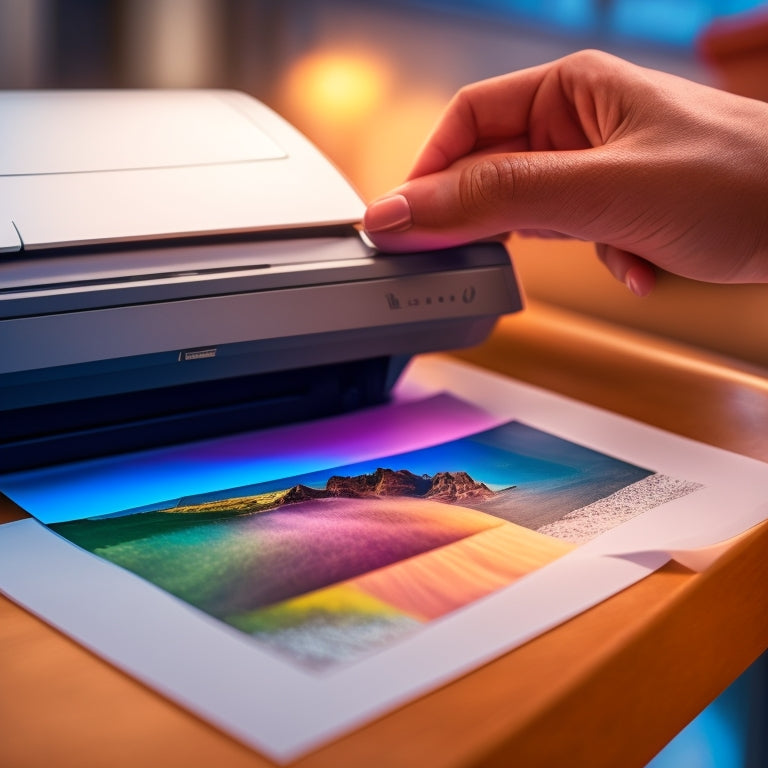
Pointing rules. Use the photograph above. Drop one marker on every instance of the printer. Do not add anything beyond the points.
(181, 264)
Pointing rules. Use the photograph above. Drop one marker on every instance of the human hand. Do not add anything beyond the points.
(656, 170)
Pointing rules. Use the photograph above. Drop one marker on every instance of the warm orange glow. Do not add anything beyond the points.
(340, 87)
(394, 138)
(352, 105)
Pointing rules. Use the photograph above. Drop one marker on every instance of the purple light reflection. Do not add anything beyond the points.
(103, 486)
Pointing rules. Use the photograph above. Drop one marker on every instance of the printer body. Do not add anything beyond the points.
(181, 264)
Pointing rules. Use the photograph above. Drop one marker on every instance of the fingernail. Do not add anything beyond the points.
(636, 286)
(389, 214)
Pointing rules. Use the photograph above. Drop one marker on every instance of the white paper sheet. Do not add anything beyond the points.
(266, 699)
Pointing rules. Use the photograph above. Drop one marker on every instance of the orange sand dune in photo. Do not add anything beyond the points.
(440, 581)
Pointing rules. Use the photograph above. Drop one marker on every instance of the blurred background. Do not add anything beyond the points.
(366, 80)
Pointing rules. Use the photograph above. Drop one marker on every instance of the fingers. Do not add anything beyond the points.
(495, 163)
(666, 171)
(485, 113)
(389, 218)
(636, 273)
(571, 103)
(477, 198)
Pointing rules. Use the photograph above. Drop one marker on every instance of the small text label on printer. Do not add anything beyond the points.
(197, 354)
(393, 301)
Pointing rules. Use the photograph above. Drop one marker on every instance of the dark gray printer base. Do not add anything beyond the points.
(80, 429)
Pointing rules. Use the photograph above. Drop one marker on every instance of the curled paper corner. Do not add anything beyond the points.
(699, 555)
(695, 558)
(700, 558)
(693, 540)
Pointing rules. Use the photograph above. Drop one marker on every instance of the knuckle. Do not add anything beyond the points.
(588, 57)
(589, 61)
(589, 67)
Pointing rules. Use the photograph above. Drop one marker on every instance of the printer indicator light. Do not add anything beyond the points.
(197, 354)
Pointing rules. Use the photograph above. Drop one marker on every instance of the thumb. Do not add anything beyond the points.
(485, 196)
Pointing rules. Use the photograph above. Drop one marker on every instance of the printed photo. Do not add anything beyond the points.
(327, 567)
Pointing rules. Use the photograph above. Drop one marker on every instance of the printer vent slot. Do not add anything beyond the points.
(216, 239)
(80, 429)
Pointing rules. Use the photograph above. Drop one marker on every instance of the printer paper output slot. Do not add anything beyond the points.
(116, 280)
(133, 421)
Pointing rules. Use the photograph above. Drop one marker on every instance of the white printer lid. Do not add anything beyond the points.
(84, 167)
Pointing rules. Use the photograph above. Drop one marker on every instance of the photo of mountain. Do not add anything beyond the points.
(326, 567)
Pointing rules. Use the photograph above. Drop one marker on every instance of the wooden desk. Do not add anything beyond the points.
(607, 688)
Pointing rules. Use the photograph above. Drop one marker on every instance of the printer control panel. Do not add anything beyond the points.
(468, 294)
